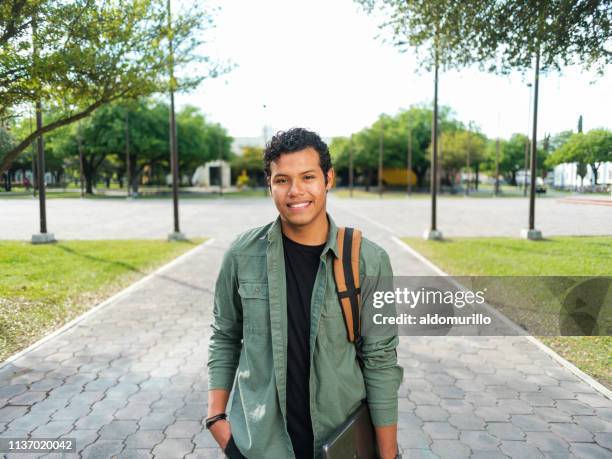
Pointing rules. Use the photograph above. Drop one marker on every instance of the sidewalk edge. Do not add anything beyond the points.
(603, 390)
(104, 303)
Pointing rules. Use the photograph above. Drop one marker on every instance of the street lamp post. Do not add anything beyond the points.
(433, 233)
(34, 173)
(380, 159)
(497, 167)
(176, 235)
(81, 160)
(128, 162)
(532, 233)
(409, 171)
(527, 143)
(43, 237)
(526, 167)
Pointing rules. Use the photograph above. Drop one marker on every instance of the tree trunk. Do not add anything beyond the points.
(88, 174)
(88, 181)
(420, 175)
(477, 167)
(7, 181)
(594, 170)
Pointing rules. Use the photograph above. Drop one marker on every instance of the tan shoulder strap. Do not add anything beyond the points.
(346, 274)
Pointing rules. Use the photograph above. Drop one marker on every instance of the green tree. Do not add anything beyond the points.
(572, 151)
(598, 148)
(586, 150)
(76, 56)
(547, 34)
(512, 156)
(103, 142)
(462, 149)
(415, 122)
(557, 140)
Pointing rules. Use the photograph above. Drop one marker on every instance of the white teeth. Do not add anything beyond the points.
(303, 204)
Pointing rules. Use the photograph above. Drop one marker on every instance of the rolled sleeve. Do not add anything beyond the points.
(225, 342)
(381, 372)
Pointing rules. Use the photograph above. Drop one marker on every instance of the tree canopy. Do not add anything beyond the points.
(562, 32)
(102, 139)
(396, 129)
(77, 56)
(446, 31)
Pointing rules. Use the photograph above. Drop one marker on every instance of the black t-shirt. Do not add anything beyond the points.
(301, 266)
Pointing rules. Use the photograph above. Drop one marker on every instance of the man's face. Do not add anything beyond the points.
(298, 186)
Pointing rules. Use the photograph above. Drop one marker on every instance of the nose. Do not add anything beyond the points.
(296, 188)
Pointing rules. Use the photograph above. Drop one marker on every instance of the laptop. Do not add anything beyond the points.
(355, 438)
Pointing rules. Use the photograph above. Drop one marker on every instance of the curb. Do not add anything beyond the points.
(603, 390)
(97, 308)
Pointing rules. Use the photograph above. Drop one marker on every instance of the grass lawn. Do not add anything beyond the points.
(484, 191)
(557, 256)
(145, 194)
(373, 194)
(44, 286)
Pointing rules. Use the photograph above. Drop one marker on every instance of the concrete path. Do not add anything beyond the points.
(152, 218)
(129, 380)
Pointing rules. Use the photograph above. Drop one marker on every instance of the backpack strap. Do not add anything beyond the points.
(346, 274)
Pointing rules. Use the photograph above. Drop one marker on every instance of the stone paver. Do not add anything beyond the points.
(440, 430)
(130, 380)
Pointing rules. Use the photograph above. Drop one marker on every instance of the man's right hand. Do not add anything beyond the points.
(221, 432)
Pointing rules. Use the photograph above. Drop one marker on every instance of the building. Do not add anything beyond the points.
(213, 173)
(566, 178)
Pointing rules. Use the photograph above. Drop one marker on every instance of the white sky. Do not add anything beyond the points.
(317, 64)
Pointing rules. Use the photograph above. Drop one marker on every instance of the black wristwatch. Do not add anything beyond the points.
(211, 420)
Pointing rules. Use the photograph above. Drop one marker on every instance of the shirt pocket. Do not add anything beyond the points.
(333, 329)
(255, 307)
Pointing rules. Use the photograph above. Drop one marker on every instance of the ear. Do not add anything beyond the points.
(330, 178)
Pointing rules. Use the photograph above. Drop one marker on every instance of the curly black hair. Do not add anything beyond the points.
(296, 139)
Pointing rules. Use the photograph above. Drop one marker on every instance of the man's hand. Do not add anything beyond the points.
(217, 402)
(221, 432)
(386, 437)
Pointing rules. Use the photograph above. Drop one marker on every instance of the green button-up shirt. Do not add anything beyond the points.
(248, 347)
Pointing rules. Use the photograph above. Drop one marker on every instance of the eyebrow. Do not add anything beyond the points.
(301, 173)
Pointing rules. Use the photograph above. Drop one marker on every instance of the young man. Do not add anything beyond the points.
(295, 375)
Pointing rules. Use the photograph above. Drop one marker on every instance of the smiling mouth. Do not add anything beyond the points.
(299, 205)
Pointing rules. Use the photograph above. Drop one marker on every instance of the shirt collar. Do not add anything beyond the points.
(275, 232)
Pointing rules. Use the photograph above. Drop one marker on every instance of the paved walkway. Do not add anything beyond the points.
(130, 379)
(152, 218)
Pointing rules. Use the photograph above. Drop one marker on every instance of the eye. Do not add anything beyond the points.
(280, 180)
(309, 177)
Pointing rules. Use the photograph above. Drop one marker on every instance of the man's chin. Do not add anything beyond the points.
(298, 220)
